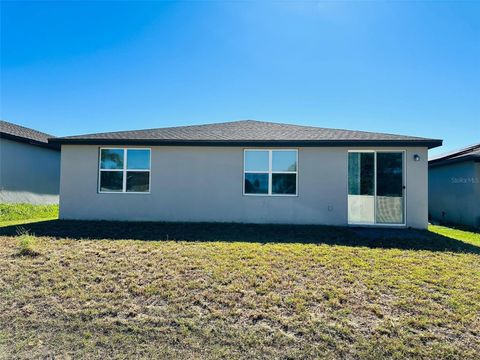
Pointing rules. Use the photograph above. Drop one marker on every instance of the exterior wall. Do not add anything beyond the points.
(477, 191)
(206, 184)
(28, 173)
(454, 191)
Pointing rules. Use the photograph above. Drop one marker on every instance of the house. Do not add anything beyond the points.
(246, 171)
(454, 187)
(29, 166)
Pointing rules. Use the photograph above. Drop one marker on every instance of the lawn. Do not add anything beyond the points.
(196, 291)
(11, 214)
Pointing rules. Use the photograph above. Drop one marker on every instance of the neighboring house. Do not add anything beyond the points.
(247, 171)
(29, 166)
(454, 187)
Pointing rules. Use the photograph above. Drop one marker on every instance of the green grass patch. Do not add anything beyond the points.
(24, 221)
(467, 236)
(255, 292)
(24, 212)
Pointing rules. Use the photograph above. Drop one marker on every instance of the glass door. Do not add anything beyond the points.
(361, 187)
(376, 187)
(389, 195)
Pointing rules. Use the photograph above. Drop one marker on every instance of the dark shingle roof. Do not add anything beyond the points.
(245, 132)
(469, 153)
(24, 134)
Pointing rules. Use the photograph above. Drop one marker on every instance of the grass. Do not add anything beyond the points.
(11, 214)
(239, 291)
(468, 236)
(26, 244)
(24, 221)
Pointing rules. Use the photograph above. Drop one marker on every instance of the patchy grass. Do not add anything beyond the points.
(310, 296)
(11, 214)
(26, 244)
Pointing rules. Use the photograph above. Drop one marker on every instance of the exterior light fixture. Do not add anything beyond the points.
(416, 157)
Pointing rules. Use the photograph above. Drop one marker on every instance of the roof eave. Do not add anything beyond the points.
(442, 162)
(49, 145)
(430, 143)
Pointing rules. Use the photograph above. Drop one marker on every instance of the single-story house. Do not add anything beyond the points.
(29, 166)
(454, 187)
(247, 171)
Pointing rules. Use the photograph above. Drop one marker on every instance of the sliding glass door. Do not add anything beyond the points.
(389, 196)
(376, 187)
(361, 187)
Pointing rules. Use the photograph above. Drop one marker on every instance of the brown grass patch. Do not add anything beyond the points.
(175, 299)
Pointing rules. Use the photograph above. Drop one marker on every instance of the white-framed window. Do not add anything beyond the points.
(124, 170)
(270, 172)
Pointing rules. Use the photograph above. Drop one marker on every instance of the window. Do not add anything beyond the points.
(270, 172)
(124, 170)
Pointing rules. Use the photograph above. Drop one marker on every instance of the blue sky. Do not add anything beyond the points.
(399, 67)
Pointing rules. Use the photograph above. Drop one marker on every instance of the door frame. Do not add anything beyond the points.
(404, 178)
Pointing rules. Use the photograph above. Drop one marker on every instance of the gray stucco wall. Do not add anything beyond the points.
(28, 173)
(206, 184)
(454, 192)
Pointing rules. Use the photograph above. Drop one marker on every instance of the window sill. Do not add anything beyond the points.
(124, 192)
(271, 195)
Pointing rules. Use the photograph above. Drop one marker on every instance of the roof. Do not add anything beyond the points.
(468, 153)
(247, 133)
(23, 134)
